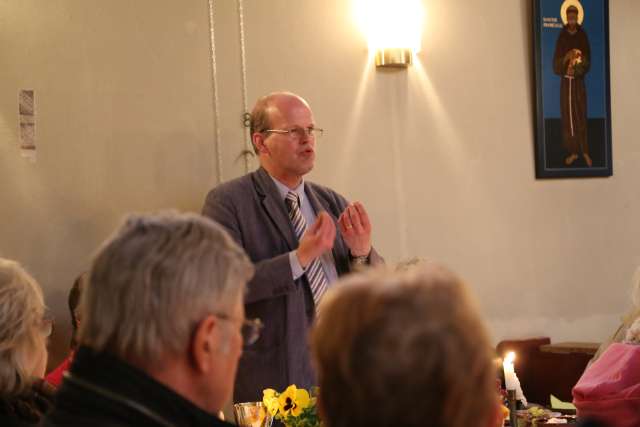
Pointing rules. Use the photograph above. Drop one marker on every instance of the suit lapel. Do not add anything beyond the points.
(274, 207)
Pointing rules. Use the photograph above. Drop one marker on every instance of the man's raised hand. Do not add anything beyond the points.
(316, 240)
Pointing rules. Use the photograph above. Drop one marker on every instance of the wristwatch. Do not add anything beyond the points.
(358, 261)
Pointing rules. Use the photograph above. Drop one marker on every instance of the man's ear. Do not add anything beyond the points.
(204, 343)
(258, 143)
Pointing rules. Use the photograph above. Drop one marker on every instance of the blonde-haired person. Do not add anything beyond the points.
(24, 330)
(162, 327)
(404, 349)
(627, 320)
(609, 389)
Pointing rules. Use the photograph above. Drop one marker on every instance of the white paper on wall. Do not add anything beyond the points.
(27, 111)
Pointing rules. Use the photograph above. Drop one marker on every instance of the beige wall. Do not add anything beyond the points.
(441, 154)
(124, 123)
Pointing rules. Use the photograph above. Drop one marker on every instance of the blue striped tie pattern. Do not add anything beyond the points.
(315, 273)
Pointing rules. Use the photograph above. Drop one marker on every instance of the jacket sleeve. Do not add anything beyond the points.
(273, 277)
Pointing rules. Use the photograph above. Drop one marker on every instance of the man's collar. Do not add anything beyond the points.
(283, 190)
(129, 383)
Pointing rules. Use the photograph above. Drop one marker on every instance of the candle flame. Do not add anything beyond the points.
(510, 357)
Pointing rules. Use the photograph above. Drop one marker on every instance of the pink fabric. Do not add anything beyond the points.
(55, 377)
(610, 388)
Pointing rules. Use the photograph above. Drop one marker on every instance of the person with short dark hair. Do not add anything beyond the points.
(56, 375)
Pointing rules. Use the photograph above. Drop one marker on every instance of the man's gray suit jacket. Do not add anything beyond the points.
(252, 210)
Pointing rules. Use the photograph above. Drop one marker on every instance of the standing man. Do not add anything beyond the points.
(300, 236)
(571, 62)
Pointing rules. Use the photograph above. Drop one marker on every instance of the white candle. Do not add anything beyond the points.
(510, 379)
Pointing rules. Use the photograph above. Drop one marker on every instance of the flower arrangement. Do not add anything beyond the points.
(295, 407)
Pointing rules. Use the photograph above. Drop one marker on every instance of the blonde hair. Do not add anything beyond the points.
(633, 333)
(404, 348)
(154, 280)
(634, 312)
(635, 289)
(21, 311)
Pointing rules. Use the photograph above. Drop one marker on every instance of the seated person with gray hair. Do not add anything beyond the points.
(24, 329)
(162, 327)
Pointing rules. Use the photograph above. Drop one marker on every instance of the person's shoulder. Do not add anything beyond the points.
(238, 188)
(243, 182)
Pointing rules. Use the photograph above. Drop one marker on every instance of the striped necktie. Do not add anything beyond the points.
(315, 273)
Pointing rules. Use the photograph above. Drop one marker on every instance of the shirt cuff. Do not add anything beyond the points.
(296, 268)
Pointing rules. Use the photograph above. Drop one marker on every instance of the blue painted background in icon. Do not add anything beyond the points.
(594, 26)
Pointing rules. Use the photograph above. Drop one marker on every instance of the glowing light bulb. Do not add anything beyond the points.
(391, 24)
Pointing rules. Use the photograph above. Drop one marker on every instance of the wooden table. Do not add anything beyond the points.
(589, 348)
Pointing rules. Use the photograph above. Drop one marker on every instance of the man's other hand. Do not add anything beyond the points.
(356, 229)
(316, 240)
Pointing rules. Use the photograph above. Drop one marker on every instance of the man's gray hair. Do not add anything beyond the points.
(155, 279)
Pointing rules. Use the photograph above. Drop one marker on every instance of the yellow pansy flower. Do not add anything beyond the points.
(270, 401)
(293, 401)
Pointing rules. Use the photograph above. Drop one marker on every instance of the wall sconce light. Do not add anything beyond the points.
(393, 29)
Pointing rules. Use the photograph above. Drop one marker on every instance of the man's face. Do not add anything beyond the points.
(216, 348)
(231, 351)
(291, 154)
(572, 19)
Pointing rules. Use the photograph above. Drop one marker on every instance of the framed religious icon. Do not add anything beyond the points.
(571, 40)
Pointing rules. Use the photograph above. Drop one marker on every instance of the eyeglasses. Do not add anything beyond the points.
(299, 133)
(250, 328)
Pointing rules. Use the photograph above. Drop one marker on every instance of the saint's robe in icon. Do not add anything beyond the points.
(573, 52)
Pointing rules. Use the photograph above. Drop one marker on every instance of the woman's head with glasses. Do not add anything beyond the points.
(24, 329)
(284, 136)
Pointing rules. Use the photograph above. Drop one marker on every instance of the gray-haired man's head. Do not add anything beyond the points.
(168, 287)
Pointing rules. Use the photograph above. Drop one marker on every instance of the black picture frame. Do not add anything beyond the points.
(572, 87)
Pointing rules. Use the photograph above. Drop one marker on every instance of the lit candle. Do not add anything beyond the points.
(510, 379)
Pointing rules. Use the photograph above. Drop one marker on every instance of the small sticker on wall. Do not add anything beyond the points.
(27, 111)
